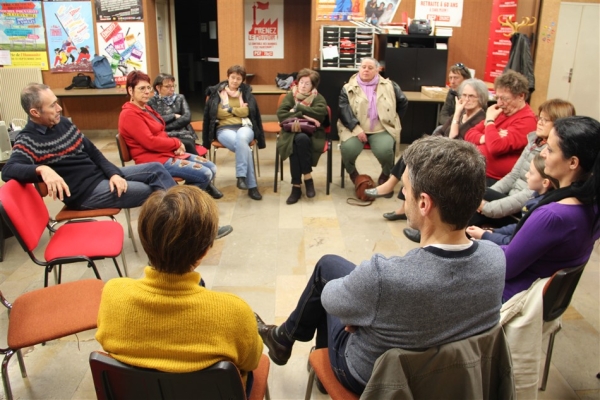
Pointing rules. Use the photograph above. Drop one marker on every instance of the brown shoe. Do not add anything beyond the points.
(279, 353)
(354, 175)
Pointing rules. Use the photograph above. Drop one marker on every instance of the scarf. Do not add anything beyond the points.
(369, 88)
(168, 100)
(305, 99)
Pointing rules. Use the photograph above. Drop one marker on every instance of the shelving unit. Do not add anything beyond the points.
(353, 43)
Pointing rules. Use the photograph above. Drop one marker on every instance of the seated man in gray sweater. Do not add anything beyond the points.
(448, 289)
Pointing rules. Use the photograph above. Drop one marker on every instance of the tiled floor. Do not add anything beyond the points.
(266, 261)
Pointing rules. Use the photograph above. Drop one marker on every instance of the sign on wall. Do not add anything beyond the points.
(123, 44)
(22, 34)
(341, 10)
(498, 50)
(263, 29)
(443, 12)
(119, 10)
(70, 32)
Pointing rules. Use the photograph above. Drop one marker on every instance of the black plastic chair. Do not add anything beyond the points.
(557, 296)
(116, 380)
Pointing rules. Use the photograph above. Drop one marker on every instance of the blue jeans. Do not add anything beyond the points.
(237, 139)
(142, 180)
(195, 170)
(310, 316)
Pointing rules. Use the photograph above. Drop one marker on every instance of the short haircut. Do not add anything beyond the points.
(451, 172)
(158, 81)
(514, 82)
(557, 108)
(135, 77)
(539, 163)
(483, 94)
(461, 69)
(30, 97)
(373, 60)
(314, 76)
(177, 227)
(237, 69)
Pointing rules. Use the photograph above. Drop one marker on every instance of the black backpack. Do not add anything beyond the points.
(104, 78)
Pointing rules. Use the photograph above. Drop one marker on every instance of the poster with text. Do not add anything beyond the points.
(123, 44)
(263, 29)
(499, 44)
(341, 10)
(22, 33)
(382, 12)
(444, 13)
(119, 10)
(70, 33)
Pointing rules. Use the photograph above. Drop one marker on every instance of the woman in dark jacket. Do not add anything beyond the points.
(174, 110)
(302, 101)
(231, 116)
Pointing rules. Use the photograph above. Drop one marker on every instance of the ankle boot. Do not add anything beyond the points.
(295, 195)
(310, 187)
(354, 175)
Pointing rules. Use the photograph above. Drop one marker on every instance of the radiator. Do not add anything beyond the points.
(12, 81)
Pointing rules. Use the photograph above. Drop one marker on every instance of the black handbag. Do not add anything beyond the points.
(80, 81)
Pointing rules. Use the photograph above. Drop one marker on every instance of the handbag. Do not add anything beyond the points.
(362, 183)
(80, 81)
(296, 125)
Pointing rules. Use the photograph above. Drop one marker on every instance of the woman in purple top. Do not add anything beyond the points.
(561, 230)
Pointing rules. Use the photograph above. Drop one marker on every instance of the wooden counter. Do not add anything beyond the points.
(92, 108)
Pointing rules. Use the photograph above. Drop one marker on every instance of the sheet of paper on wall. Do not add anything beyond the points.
(330, 52)
(5, 57)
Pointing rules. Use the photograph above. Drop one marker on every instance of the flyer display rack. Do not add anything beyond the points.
(342, 47)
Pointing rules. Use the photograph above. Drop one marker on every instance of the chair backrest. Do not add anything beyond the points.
(123, 150)
(24, 211)
(116, 380)
(559, 290)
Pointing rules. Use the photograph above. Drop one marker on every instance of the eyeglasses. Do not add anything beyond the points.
(170, 86)
(504, 99)
(542, 120)
(304, 83)
(144, 88)
(461, 66)
(468, 96)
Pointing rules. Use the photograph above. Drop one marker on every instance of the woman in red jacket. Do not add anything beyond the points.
(143, 130)
(502, 136)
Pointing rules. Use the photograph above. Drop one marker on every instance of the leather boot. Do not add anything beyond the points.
(278, 352)
(254, 194)
(295, 195)
(354, 175)
(241, 183)
(213, 191)
(310, 187)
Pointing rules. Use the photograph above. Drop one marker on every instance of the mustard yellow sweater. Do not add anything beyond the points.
(170, 323)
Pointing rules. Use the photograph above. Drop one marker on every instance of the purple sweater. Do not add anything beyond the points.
(555, 236)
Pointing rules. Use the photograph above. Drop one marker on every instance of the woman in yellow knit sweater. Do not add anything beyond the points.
(166, 320)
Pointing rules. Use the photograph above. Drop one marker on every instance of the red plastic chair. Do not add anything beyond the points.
(321, 367)
(27, 216)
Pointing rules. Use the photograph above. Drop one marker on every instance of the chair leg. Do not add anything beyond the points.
(130, 229)
(92, 265)
(343, 173)
(5, 380)
(21, 363)
(117, 266)
(267, 394)
(548, 358)
(309, 384)
(329, 167)
(276, 169)
(257, 163)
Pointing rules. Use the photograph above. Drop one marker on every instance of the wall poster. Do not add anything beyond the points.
(341, 10)
(119, 10)
(22, 33)
(70, 32)
(263, 29)
(444, 13)
(382, 12)
(499, 44)
(123, 44)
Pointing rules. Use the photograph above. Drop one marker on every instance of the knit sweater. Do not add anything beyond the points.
(501, 152)
(170, 323)
(426, 298)
(145, 136)
(64, 149)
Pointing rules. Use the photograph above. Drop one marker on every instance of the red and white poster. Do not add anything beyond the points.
(444, 13)
(499, 44)
(263, 28)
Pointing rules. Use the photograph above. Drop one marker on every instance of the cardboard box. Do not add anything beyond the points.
(435, 92)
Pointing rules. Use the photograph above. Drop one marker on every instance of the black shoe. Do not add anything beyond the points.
(241, 184)
(310, 188)
(279, 353)
(295, 195)
(382, 179)
(413, 234)
(254, 194)
(224, 231)
(354, 175)
(213, 191)
(372, 193)
(392, 216)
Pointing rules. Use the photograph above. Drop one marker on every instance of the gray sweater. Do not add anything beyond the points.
(426, 298)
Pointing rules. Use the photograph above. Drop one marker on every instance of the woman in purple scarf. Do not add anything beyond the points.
(370, 110)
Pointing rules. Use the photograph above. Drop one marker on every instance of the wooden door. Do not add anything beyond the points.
(575, 71)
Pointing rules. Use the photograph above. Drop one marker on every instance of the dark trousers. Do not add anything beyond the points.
(309, 317)
(397, 171)
(301, 157)
(479, 219)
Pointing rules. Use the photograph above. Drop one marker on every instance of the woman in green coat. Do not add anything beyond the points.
(303, 101)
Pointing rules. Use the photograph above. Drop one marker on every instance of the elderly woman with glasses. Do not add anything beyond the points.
(503, 135)
(303, 101)
(143, 130)
(174, 110)
(458, 73)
